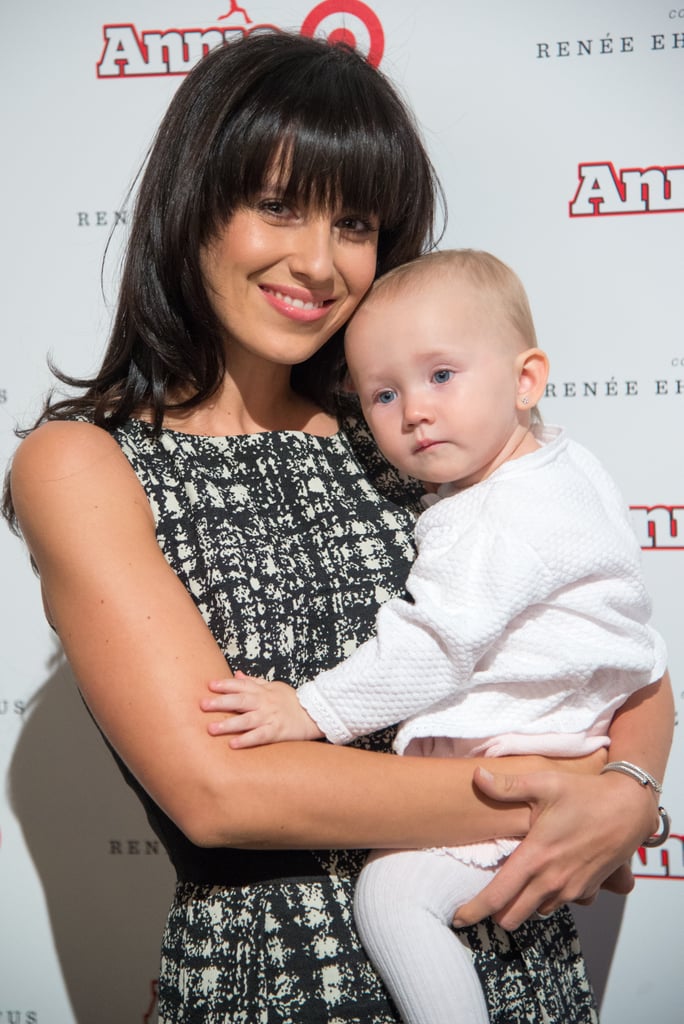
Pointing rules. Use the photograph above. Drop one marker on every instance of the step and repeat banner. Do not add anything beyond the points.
(558, 132)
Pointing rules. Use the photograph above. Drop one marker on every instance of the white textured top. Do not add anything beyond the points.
(529, 622)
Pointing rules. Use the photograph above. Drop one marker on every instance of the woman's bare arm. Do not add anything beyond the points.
(642, 729)
(142, 656)
(584, 829)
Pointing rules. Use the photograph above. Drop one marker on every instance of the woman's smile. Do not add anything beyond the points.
(297, 304)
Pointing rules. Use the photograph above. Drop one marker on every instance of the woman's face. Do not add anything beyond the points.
(283, 279)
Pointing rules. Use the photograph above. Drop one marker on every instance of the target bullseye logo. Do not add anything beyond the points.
(348, 21)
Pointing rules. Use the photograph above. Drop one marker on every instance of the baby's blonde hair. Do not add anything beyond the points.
(490, 275)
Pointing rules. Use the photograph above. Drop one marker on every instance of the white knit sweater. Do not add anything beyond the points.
(529, 622)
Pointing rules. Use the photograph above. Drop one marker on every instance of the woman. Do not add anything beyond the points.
(199, 506)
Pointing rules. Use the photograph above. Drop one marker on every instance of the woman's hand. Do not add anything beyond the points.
(584, 828)
(259, 712)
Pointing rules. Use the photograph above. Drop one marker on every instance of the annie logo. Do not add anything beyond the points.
(666, 861)
(659, 527)
(131, 53)
(604, 192)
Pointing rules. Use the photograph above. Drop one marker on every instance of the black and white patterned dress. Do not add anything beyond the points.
(288, 543)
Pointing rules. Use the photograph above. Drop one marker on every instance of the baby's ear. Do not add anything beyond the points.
(532, 367)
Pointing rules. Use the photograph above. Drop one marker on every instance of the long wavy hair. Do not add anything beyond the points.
(338, 133)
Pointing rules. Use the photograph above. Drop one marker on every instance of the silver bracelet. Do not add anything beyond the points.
(645, 779)
(659, 837)
(627, 768)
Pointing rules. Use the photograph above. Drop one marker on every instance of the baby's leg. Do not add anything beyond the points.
(404, 903)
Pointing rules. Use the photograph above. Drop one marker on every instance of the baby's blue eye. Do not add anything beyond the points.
(442, 376)
(385, 397)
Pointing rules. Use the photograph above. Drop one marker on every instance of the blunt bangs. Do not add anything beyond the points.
(328, 132)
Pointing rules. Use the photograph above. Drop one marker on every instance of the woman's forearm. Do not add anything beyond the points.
(643, 727)
(641, 733)
(315, 795)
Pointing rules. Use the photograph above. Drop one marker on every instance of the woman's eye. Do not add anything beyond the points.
(442, 376)
(357, 225)
(385, 397)
(274, 207)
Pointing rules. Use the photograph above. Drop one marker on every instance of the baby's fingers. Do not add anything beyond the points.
(238, 683)
(230, 703)
(234, 724)
(256, 737)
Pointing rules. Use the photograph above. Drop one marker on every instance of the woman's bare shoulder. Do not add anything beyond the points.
(64, 468)
(61, 447)
(70, 452)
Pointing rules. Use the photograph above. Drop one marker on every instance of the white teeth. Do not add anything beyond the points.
(297, 303)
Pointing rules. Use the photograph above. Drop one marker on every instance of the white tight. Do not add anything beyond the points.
(404, 903)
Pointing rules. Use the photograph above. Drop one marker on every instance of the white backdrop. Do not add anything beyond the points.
(558, 132)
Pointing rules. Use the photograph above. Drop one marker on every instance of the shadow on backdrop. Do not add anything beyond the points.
(107, 881)
(599, 929)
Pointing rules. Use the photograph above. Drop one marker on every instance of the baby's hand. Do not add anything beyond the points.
(260, 712)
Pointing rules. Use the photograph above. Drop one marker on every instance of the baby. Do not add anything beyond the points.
(527, 624)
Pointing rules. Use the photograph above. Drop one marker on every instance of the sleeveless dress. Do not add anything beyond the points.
(288, 543)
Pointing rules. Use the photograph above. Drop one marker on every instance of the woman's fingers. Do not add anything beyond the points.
(521, 889)
(621, 881)
(569, 850)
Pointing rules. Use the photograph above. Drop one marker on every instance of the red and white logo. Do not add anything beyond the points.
(603, 191)
(659, 527)
(666, 861)
(130, 52)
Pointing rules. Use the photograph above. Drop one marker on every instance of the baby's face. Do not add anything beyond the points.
(436, 373)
